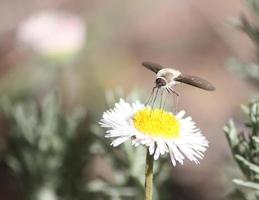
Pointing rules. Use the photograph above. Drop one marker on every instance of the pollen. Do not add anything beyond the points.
(157, 123)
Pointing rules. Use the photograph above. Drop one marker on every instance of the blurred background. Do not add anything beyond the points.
(63, 62)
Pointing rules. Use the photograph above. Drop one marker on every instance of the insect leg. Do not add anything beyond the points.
(164, 102)
(161, 98)
(151, 96)
(176, 99)
(176, 102)
(154, 100)
(171, 91)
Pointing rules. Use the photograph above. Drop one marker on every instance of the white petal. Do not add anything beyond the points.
(152, 148)
(118, 141)
(162, 146)
(157, 153)
(177, 154)
(172, 158)
(180, 114)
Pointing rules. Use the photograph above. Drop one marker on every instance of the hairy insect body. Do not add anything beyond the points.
(166, 78)
(169, 76)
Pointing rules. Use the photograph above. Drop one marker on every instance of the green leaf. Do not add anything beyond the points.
(231, 133)
(248, 164)
(247, 184)
(256, 140)
(245, 109)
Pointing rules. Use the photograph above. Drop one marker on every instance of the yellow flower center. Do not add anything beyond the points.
(157, 123)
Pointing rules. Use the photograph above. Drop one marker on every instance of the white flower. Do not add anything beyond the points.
(53, 34)
(159, 130)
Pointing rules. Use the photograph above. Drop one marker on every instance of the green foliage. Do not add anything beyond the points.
(245, 144)
(248, 70)
(254, 4)
(245, 149)
(44, 149)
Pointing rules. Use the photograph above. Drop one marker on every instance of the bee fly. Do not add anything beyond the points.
(166, 78)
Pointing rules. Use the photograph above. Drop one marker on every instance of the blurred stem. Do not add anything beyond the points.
(149, 176)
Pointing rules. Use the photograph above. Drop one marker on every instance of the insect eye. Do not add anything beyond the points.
(160, 82)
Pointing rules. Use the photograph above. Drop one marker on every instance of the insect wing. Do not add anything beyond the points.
(152, 66)
(196, 81)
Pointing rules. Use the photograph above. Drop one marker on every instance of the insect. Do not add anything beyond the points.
(166, 78)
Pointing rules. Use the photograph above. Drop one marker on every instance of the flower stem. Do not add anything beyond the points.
(149, 177)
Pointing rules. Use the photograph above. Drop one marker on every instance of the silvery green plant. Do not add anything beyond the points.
(44, 149)
(248, 70)
(244, 143)
(245, 149)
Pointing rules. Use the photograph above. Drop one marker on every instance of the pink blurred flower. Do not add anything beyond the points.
(53, 34)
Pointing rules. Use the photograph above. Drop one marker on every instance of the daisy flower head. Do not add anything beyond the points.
(160, 131)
